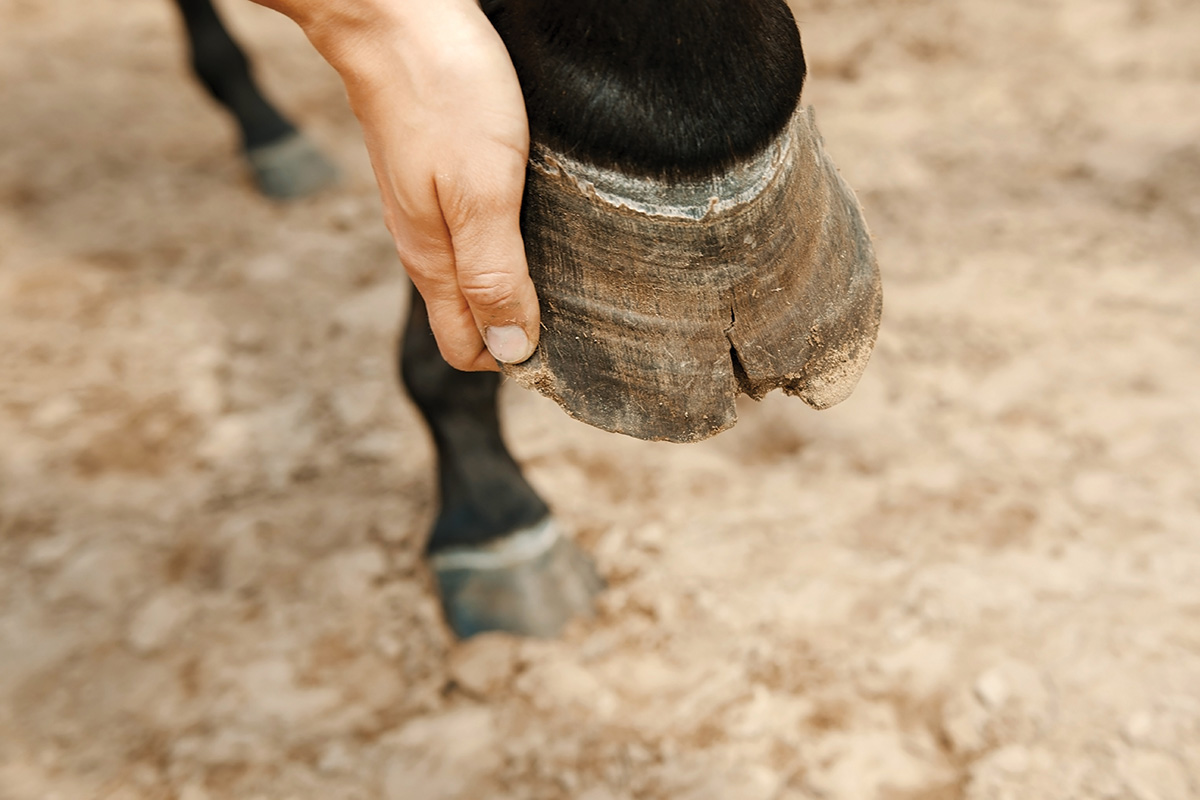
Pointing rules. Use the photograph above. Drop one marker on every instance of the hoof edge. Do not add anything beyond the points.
(290, 168)
(531, 583)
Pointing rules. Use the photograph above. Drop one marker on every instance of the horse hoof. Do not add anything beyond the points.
(290, 167)
(530, 583)
(662, 300)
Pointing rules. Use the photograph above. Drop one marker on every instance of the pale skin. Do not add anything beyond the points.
(444, 122)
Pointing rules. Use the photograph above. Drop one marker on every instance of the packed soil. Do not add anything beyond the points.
(979, 577)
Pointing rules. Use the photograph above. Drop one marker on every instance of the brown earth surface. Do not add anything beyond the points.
(977, 578)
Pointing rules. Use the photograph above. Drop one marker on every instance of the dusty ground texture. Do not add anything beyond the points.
(977, 578)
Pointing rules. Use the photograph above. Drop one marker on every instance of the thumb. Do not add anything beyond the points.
(492, 272)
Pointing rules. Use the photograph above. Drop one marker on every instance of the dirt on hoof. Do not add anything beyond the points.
(974, 579)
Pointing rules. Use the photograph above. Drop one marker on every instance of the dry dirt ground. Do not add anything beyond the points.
(977, 578)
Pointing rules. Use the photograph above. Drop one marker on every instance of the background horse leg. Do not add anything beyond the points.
(285, 164)
(500, 561)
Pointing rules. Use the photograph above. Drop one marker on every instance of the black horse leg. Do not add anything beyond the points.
(499, 559)
(285, 164)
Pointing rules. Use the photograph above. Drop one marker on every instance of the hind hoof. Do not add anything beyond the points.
(530, 583)
(291, 167)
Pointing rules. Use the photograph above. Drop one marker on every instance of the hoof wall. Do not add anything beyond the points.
(662, 301)
(530, 583)
(290, 168)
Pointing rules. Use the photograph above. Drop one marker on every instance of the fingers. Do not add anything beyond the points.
(428, 258)
(467, 259)
(482, 210)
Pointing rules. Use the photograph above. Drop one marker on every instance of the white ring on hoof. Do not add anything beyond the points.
(691, 200)
(517, 548)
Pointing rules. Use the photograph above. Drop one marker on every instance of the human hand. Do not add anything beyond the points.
(444, 123)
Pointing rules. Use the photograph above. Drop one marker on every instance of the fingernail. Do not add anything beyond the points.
(508, 344)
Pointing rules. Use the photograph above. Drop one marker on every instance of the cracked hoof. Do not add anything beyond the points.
(662, 301)
(291, 167)
(530, 583)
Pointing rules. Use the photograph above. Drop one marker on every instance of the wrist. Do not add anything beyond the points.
(348, 32)
(351, 34)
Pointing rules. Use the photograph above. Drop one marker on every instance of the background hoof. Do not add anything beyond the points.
(530, 583)
(290, 168)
